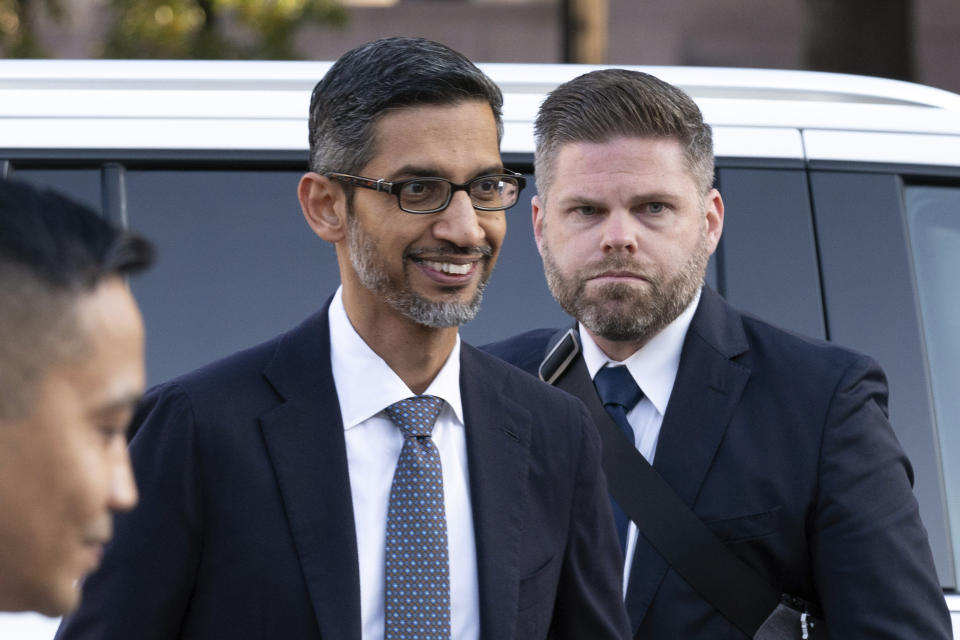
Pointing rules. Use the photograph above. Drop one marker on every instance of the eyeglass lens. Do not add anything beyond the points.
(486, 192)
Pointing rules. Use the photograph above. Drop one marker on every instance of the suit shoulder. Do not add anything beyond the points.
(522, 385)
(771, 338)
(227, 386)
(229, 370)
(525, 350)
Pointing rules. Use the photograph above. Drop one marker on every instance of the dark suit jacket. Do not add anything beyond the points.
(245, 524)
(781, 444)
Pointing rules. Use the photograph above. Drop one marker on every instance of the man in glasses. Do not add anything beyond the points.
(367, 475)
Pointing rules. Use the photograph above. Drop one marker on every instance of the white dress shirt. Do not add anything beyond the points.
(366, 386)
(654, 369)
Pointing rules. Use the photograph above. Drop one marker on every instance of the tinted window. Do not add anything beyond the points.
(872, 306)
(236, 263)
(768, 252)
(933, 216)
(80, 184)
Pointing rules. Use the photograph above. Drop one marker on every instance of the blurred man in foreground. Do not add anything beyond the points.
(71, 369)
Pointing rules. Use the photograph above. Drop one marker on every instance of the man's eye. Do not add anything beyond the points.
(587, 210)
(656, 207)
(110, 432)
(486, 190)
(421, 189)
(485, 186)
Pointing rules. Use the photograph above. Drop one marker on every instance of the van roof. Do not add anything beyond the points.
(262, 105)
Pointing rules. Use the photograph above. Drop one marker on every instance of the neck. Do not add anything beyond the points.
(415, 352)
(13, 601)
(616, 349)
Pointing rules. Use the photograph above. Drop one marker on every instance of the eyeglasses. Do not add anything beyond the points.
(494, 192)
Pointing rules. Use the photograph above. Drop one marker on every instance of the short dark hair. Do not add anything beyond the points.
(601, 105)
(378, 76)
(62, 243)
(52, 251)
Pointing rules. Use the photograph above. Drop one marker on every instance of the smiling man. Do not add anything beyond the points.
(367, 475)
(774, 450)
(71, 369)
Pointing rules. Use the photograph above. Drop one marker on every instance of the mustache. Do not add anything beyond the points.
(617, 264)
(481, 251)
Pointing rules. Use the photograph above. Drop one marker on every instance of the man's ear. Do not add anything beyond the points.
(537, 209)
(714, 212)
(324, 206)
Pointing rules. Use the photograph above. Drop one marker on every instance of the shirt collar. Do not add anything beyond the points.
(654, 366)
(365, 383)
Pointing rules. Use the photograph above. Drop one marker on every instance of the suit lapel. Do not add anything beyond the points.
(498, 440)
(305, 442)
(705, 395)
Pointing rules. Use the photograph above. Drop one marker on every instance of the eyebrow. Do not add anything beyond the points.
(582, 199)
(426, 171)
(125, 402)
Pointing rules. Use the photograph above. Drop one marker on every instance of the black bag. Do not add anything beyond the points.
(674, 530)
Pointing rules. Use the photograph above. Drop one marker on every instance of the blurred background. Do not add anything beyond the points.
(916, 40)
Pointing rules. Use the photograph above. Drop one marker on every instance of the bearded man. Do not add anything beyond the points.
(367, 475)
(778, 444)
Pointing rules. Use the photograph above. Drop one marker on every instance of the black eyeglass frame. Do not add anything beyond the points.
(395, 188)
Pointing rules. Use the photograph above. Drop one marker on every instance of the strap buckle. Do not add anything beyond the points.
(559, 357)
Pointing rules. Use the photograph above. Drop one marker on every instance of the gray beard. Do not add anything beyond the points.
(620, 313)
(438, 315)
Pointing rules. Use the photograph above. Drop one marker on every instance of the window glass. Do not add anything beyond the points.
(236, 262)
(82, 185)
(517, 298)
(933, 215)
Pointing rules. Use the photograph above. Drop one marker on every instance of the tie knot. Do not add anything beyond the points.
(415, 416)
(616, 386)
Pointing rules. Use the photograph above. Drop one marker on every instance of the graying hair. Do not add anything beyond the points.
(387, 74)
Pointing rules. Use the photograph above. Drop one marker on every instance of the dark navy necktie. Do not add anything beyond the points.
(417, 572)
(619, 393)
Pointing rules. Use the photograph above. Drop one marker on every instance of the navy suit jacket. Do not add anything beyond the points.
(245, 525)
(782, 446)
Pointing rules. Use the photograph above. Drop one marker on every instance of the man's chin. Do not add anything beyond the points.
(608, 308)
(450, 311)
(59, 599)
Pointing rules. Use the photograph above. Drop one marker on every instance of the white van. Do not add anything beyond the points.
(842, 194)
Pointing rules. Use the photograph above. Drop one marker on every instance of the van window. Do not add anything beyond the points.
(933, 219)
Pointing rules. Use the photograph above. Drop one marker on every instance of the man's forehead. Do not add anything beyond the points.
(432, 137)
(658, 144)
(621, 155)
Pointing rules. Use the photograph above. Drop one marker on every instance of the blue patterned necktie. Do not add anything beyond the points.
(619, 393)
(417, 595)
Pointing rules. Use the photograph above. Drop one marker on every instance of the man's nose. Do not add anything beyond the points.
(620, 231)
(458, 223)
(123, 486)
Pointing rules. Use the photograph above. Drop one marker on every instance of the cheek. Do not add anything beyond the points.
(85, 480)
(55, 509)
(494, 230)
(570, 251)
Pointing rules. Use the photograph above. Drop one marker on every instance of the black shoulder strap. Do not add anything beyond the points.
(709, 567)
